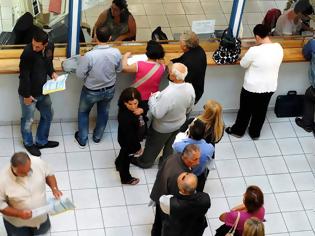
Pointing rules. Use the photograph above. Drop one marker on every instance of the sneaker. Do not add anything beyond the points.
(33, 150)
(299, 122)
(228, 130)
(96, 140)
(76, 136)
(49, 144)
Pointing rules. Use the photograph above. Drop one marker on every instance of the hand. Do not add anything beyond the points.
(54, 75)
(138, 111)
(29, 100)
(139, 152)
(25, 214)
(57, 193)
(127, 54)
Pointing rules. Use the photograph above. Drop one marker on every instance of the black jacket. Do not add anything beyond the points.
(196, 61)
(34, 68)
(187, 215)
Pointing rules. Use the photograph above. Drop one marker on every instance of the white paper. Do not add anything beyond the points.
(203, 26)
(135, 58)
(52, 86)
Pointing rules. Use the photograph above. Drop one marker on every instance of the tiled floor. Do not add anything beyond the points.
(281, 162)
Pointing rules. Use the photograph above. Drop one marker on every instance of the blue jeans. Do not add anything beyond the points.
(43, 105)
(26, 231)
(87, 99)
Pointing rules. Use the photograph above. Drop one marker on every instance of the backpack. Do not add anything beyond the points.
(271, 18)
(158, 35)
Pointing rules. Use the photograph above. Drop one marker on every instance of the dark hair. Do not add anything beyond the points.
(304, 7)
(154, 50)
(40, 36)
(261, 30)
(128, 94)
(253, 199)
(103, 34)
(122, 4)
(197, 130)
(19, 159)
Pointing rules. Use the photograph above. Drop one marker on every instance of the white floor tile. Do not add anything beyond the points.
(261, 181)
(6, 131)
(252, 166)
(89, 219)
(63, 222)
(138, 194)
(272, 118)
(270, 203)
(267, 147)
(282, 130)
(115, 216)
(103, 159)
(224, 151)
(68, 233)
(290, 146)
(218, 206)
(289, 201)
(119, 231)
(63, 180)
(150, 175)
(115, 142)
(107, 178)
(79, 160)
(85, 198)
(69, 128)
(233, 186)
(245, 149)
(140, 214)
(296, 221)
(297, 163)
(229, 118)
(304, 181)
(266, 132)
(214, 188)
(111, 196)
(113, 124)
(302, 233)
(274, 165)
(94, 232)
(308, 144)
(274, 224)
(281, 183)
(82, 179)
(228, 168)
(55, 129)
(141, 230)
(4, 161)
(72, 146)
(307, 199)
(57, 161)
(235, 201)
(105, 144)
(6, 147)
(138, 173)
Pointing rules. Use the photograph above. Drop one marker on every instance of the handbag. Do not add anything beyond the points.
(229, 50)
(225, 230)
(290, 105)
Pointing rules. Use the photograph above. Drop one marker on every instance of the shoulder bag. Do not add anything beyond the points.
(146, 77)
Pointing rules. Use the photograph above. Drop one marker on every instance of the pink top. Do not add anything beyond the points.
(152, 84)
(232, 215)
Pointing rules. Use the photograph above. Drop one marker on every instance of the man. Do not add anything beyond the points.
(291, 21)
(262, 63)
(22, 189)
(36, 63)
(166, 180)
(98, 68)
(195, 136)
(195, 59)
(307, 121)
(169, 109)
(186, 211)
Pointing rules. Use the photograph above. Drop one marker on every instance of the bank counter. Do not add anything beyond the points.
(222, 83)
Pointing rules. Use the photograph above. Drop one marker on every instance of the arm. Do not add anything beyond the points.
(165, 203)
(128, 68)
(158, 105)
(52, 183)
(247, 59)
(83, 67)
(25, 74)
(307, 50)
(100, 21)
(240, 207)
(222, 217)
(132, 29)
(50, 57)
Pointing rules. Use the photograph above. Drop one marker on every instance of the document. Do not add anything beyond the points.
(203, 26)
(52, 86)
(54, 207)
(135, 58)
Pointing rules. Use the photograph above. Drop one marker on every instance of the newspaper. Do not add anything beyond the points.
(135, 58)
(54, 207)
(52, 86)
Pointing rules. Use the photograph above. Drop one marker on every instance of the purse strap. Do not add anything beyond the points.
(233, 229)
(147, 76)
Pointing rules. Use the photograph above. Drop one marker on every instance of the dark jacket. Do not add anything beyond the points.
(166, 178)
(196, 61)
(187, 215)
(309, 53)
(34, 68)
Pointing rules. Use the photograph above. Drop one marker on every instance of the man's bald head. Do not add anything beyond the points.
(179, 71)
(187, 183)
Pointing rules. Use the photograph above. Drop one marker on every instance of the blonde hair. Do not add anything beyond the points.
(253, 227)
(190, 39)
(212, 118)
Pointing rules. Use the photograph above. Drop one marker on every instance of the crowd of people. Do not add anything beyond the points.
(161, 118)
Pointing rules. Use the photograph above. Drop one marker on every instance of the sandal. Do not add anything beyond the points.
(132, 181)
(228, 130)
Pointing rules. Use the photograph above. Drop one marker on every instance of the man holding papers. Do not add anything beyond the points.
(98, 68)
(36, 63)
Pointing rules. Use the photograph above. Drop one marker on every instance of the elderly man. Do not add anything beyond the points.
(169, 109)
(186, 211)
(195, 59)
(166, 179)
(22, 189)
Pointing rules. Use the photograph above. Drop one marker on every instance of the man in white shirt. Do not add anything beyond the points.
(169, 109)
(262, 63)
(22, 189)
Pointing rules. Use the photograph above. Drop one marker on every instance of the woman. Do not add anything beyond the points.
(253, 227)
(131, 130)
(252, 206)
(119, 20)
(148, 73)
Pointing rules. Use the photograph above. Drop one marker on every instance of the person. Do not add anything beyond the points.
(186, 211)
(195, 136)
(98, 68)
(131, 130)
(194, 57)
(22, 189)
(253, 205)
(166, 180)
(148, 73)
(260, 83)
(119, 20)
(291, 21)
(36, 62)
(253, 227)
(169, 109)
(307, 121)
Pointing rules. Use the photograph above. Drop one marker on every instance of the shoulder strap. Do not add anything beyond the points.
(147, 76)
(233, 229)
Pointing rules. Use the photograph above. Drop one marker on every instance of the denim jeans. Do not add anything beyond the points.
(87, 99)
(26, 231)
(43, 105)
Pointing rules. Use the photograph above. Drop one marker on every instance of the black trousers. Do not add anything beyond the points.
(158, 221)
(308, 112)
(122, 163)
(253, 109)
(202, 180)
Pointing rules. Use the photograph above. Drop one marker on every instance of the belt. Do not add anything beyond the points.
(100, 90)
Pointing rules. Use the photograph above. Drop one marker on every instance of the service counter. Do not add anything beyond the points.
(222, 83)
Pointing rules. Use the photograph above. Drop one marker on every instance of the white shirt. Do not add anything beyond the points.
(286, 26)
(262, 65)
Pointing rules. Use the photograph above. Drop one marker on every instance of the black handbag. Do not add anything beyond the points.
(158, 35)
(290, 105)
(229, 50)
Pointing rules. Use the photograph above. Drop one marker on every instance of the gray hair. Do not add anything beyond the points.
(189, 151)
(179, 74)
(19, 159)
(190, 39)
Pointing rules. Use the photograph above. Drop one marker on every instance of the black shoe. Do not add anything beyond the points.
(253, 137)
(49, 144)
(229, 131)
(33, 150)
(299, 122)
(76, 136)
(96, 140)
